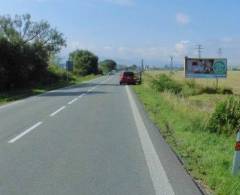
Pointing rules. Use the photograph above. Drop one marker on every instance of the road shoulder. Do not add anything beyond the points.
(172, 163)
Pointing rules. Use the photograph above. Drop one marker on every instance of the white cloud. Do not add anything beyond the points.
(182, 18)
(108, 48)
(227, 39)
(182, 48)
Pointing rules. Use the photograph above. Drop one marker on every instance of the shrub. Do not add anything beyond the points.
(56, 73)
(84, 62)
(211, 90)
(226, 117)
(226, 91)
(191, 83)
(165, 83)
(189, 91)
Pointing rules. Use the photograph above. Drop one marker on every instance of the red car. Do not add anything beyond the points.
(127, 78)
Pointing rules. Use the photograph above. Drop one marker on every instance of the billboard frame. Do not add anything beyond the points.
(206, 75)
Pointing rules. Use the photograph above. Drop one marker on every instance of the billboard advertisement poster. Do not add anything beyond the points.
(205, 67)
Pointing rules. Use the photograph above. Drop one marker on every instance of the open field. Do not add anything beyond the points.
(206, 102)
(182, 121)
(232, 81)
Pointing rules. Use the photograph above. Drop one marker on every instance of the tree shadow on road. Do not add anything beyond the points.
(71, 93)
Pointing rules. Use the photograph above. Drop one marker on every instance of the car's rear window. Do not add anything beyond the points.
(131, 74)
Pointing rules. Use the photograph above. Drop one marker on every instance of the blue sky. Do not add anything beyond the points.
(129, 30)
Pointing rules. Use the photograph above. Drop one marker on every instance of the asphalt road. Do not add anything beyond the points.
(90, 139)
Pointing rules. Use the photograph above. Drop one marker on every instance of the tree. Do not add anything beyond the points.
(108, 65)
(84, 62)
(22, 29)
(25, 49)
(133, 67)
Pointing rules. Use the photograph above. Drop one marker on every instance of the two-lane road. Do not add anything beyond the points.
(90, 139)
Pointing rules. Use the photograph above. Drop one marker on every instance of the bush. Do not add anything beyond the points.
(226, 117)
(56, 74)
(228, 91)
(189, 91)
(165, 83)
(107, 66)
(211, 90)
(191, 83)
(25, 48)
(84, 62)
(21, 65)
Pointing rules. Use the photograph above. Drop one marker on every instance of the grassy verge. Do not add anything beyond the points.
(232, 81)
(13, 95)
(207, 156)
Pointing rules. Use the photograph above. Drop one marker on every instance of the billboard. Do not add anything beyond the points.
(205, 67)
(69, 65)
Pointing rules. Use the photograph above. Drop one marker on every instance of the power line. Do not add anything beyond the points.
(199, 48)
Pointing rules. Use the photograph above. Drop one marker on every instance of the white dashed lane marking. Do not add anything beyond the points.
(24, 133)
(57, 111)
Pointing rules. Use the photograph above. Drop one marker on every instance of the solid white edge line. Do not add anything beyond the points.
(11, 104)
(158, 175)
(72, 101)
(92, 89)
(82, 95)
(24, 133)
(57, 111)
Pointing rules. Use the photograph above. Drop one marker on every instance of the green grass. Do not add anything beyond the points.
(207, 156)
(232, 81)
(13, 95)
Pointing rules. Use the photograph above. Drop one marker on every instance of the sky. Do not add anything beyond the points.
(130, 30)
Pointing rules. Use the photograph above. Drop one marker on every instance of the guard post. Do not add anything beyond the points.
(236, 158)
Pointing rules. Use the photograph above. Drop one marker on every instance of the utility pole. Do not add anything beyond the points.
(199, 48)
(220, 52)
(141, 71)
(171, 63)
(67, 64)
(142, 65)
(220, 56)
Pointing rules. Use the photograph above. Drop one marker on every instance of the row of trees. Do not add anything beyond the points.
(27, 48)
(85, 62)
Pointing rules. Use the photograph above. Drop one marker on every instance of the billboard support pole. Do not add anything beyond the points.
(216, 83)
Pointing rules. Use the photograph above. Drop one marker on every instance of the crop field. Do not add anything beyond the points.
(232, 81)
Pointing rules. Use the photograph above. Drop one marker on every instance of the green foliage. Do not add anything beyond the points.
(226, 118)
(164, 83)
(207, 156)
(56, 74)
(54, 60)
(22, 29)
(21, 65)
(132, 67)
(226, 90)
(84, 62)
(25, 48)
(107, 66)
